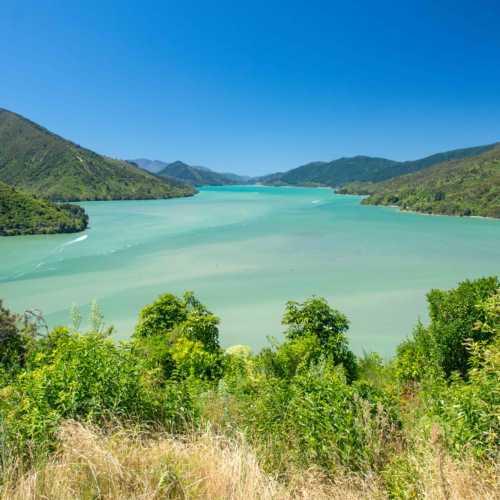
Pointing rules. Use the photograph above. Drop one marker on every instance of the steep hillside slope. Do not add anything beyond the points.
(196, 176)
(21, 213)
(459, 187)
(40, 162)
(362, 169)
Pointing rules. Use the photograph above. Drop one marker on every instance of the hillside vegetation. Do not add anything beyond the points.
(361, 169)
(21, 213)
(44, 164)
(169, 414)
(459, 187)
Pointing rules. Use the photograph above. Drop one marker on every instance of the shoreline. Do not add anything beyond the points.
(434, 214)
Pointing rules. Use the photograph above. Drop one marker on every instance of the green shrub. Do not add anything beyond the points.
(176, 316)
(374, 370)
(291, 357)
(192, 360)
(314, 331)
(318, 419)
(441, 348)
(179, 337)
(454, 314)
(85, 377)
(17, 336)
(469, 410)
(416, 356)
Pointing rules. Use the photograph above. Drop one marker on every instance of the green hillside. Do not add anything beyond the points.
(21, 213)
(196, 176)
(336, 172)
(361, 169)
(40, 162)
(459, 187)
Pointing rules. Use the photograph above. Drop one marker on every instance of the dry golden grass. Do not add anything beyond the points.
(130, 465)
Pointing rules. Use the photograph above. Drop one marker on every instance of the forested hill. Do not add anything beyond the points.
(21, 213)
(333, 173)
(362, 168)
(196, 176)
(469, 186)
(191, 174)
(45, 164)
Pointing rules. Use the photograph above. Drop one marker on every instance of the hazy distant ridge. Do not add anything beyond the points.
(191, 174)
(362, 168)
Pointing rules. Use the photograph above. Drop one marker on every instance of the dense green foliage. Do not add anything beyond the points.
(333, 173)
(305, 403)
(443, 346)
(44, 164)
(362, 169)
(179, 337)
(16, 336)
(459, 187)
(21, 213)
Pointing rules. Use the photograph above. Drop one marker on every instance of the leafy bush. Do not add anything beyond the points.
(469, 410)
(180, 337)
(442, 346)
(416, 356)
(89, 378)
(291, 357)
(315, 319)
(454, 314)
(17, 334)
(186, 317)
(318, 419)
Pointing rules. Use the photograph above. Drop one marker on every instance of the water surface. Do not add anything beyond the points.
(245, 251)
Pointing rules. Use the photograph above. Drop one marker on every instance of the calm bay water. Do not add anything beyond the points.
(245, 251)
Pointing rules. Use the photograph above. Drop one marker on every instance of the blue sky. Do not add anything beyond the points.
(255, 87)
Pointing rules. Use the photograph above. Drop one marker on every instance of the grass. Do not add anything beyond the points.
(125, 463)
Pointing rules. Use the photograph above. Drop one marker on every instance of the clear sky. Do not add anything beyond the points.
(257, 86)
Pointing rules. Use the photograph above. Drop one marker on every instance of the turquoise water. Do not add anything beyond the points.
(245, 251)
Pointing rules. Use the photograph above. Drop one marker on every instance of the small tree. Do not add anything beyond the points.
(459, 317)
(316, 318)
(180, 336)
(454, 315)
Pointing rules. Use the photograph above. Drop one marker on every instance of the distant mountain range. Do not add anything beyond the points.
(335, 173)
(468, 186)
(42, 167)
(361, 168)
(45, 164)
(191, 174)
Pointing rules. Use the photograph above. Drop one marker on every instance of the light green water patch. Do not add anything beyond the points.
(245, 251)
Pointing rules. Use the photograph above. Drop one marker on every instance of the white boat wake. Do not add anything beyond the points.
(76, 240)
